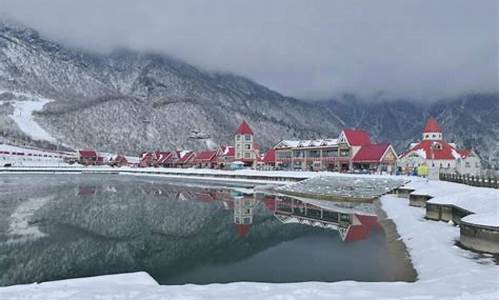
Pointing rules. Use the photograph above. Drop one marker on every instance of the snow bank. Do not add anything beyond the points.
(473, 199)
(486, 219)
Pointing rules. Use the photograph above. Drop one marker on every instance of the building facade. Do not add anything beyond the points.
(246, 150)
(350, 151)
(438, 155)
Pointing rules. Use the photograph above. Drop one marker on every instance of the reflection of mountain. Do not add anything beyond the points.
(95, 225)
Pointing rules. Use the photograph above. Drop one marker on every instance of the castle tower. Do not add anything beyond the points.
(432, 130)
(244, 145)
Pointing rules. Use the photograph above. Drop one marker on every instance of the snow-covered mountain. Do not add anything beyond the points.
(129, 102)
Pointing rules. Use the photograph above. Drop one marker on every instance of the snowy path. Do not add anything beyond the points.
(444, 272)
(24, 118)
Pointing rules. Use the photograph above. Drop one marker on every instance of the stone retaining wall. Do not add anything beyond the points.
(479, 238)
(419, 200)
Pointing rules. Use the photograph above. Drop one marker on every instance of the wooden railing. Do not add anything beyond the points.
(482, 181)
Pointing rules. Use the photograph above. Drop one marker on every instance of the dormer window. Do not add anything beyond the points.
(437, 146)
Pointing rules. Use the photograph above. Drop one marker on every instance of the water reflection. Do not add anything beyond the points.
(73, 226)
(352, 221)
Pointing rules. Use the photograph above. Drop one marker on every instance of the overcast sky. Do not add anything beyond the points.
(309, 49)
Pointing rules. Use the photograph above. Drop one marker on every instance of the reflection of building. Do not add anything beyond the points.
(243, 213)
(352, 225)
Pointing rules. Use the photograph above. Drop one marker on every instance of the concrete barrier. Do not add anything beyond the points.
(403, 192)
(445, 212)
(479, 237)
(418, 200)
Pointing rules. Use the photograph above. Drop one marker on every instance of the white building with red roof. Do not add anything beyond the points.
(434, 152)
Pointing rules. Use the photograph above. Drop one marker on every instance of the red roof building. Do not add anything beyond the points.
(225, 155)
(87, 157)
(205, 159)
(244, 129)
(374, 153)
(118, 161)
(270, 157)
(432, 125)
(246, 150)
(185, 158)
(355, 137)
(437, 155)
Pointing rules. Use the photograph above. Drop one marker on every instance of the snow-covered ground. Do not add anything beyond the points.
(445, 271)
(23, 116)
(483, 202)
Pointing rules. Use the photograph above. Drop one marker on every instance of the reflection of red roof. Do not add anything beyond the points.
(270, 156)
(87, 153)
(205, 156)
(244, 128)
(370, 153)
(432, 125)
(356, 233)
(86, 190)
(361, 232)
(435, 150)
(270, 203)
(243, 229)
(357, 137)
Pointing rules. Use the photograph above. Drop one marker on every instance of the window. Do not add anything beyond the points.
(433, 135)
(344, 152)
(247, 146)
(437, 146)
(248, 138)
(330, 153)
(313, 153)
(426, 136)
(467, 164)
(238, 137)
(247, 155)
(283, 154)
(298, 154)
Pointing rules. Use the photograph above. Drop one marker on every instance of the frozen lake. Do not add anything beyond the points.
(67, 226)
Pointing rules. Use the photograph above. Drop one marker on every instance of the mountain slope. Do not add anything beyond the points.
(103, 101)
